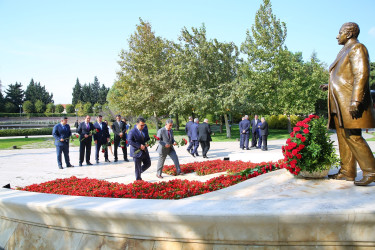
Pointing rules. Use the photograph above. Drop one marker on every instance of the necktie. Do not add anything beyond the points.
(169, 134)
(143, 138)
(87, 126)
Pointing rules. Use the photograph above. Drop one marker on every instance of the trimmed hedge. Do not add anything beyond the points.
(281, 121)
(37, 115)
(23, 132)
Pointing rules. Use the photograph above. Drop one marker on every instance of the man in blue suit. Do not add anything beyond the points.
(61, 132)
(194, 136)
(85, 138)
(137, 139)
(254, 131)
(241, 135)
(187, 128)
(101, 137)
(245, 130)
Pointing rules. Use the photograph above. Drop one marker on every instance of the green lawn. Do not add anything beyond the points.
(48, 142)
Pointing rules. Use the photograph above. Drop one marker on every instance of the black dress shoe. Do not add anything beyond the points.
(80, 164)
(115, 160)
(97, 162)
(365, 181)
(107, 160)
(70, 166)
(88, 163)
(60, 167)
(247, 148)
(192, 154)
(197, 154)
(126, 160)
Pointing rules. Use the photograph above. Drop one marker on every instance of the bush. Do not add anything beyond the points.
(87, 108)
(40, 107)
(50, 108)
(28, 107)
(70, 108)
(59, 108)
(10, 108)
(23, 132)
(281, 121)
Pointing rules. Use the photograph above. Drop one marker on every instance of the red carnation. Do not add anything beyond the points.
(184, 140)
(299, 136)
(294, 152)
(306, 131)
(299, 156)
(303, 139)
(76, 135)
(292, 134)
(288, 140)
(97, 130)
(306, 125)
(157, 138)
(301, 146)
(296, 129)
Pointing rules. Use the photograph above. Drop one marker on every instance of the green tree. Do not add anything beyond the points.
(263, 69)
(97, 108)
(372, 75)
(59, 108)
(95, 89)
(28, 107)
(35, 91)
(2, 99)
(103, 92)
(40, 107)
(10, 108)
(86, 93)
(15, 94)
(77, 93)
(50, 108)
(87, 108)
(79, 107)
(144, 76)
(70, 108)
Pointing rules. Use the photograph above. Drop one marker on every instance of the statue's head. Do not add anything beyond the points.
(347, 31)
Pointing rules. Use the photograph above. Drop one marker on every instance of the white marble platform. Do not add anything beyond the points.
(272, 211)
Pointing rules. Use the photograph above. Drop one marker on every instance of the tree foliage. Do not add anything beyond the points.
(35, 91)
(372, 75)
(28, 107)
(59, 108)
(70, 108)
(40, 107)
(50, 108)
(14, 94)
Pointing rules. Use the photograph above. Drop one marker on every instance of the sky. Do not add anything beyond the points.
(56, 42)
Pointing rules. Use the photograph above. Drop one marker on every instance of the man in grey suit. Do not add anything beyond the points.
(165, 148)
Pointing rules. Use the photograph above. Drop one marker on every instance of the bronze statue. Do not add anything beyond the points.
(350, 106)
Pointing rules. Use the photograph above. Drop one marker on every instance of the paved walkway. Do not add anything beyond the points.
(28, 166)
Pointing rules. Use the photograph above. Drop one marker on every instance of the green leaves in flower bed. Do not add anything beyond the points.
(23, 132)
(173, 189)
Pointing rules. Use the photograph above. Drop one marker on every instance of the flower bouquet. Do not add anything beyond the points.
(104, 147)
(309, 147)
(182, 142)
(123, 143)
(72, 137)
(150, 143)
(92, 132)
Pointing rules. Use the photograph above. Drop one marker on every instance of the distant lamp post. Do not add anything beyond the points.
(20, 108)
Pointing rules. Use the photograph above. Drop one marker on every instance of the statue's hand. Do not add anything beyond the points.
(354, 110)
(323, 87)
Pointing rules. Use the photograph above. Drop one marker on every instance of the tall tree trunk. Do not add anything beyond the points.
(177, 123)
(156, 122)
(221, 124)
(227, 125)
(289, 125)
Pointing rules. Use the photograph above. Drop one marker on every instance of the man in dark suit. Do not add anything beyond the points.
(204, 132)
(101, 137)
(119, 129)
(193, 133)
(263, 126)
(137, 139)
(85, 137)
(61, 132)
(239, 126)
(254, 131)
(165, 148)
(187, 128)
(245, 130)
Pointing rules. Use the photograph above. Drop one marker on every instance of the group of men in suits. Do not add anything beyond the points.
(198, 133)
(88, 131)
(259, 132)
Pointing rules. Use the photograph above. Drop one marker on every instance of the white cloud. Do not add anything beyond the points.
(371, 32)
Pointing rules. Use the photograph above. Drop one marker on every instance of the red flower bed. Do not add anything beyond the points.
(173, 189)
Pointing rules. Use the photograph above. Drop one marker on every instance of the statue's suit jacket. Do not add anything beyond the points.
(349, 81)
